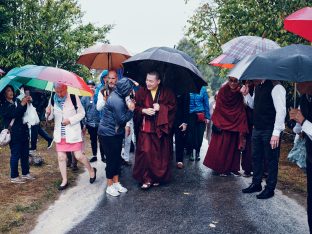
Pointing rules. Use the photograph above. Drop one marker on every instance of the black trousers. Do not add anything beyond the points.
(112, 149)
(261, 148)
(195, 133)
(179, 143)
(94, 140)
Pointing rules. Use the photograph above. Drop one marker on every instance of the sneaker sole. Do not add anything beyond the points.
(18, 182)
(113, 195)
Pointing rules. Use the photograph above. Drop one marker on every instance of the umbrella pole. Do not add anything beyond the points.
(295, 95)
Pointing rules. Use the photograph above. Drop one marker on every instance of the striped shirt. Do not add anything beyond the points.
(63, 133)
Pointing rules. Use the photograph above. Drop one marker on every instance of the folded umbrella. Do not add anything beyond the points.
(300, 23)
(178, 70)
(104, 56)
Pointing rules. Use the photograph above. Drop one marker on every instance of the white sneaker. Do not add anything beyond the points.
(120, 188)
(17, 180)
(112, 191)
(28, 177)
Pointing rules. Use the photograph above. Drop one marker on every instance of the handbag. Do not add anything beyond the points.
(200, 117)
(5, 135)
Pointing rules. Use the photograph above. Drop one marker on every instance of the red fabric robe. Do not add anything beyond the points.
(223, 155)
(154, 136)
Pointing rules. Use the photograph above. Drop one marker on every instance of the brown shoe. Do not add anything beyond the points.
(180, 165)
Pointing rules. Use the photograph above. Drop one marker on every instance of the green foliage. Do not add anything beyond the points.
(219, 21)
(46, 32)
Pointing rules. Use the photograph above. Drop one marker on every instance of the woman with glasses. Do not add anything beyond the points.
(228, 130)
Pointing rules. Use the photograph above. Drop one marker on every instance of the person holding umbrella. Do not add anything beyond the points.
(154, 117)
(303, 117)
(67, 131)
(269, 105)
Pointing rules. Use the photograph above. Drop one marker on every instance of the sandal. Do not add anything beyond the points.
(146, 186)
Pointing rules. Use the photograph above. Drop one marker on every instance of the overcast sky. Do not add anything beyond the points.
(141, 24)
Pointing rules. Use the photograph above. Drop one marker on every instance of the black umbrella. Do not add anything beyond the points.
(178, 70)
(290, 63)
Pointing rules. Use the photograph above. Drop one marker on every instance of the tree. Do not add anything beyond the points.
(46, 32)
(195, 51)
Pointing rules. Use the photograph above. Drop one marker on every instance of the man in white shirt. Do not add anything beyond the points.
(303, 117)
(269, 104)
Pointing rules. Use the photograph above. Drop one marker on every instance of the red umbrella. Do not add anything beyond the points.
(300, 23)
(104, 56)
(224, 61)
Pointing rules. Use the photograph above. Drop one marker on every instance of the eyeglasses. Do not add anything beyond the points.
(111, 77)
(235, 81)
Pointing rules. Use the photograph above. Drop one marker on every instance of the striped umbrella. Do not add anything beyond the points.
(243, 46)
(224, 61)
(43, 77)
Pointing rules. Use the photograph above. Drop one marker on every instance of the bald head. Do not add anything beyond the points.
(112, 79)
(60, 89)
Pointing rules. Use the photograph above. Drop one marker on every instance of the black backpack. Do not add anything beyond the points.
(72, 98)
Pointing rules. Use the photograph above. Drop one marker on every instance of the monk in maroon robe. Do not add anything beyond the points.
(153, 119)
(229, 130)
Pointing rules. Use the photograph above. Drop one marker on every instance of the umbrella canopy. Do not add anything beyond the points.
(300, 23)
(43, 77)
(178, 70)
(224, 61)
(291, 63)
(104, 56)
(243, 46)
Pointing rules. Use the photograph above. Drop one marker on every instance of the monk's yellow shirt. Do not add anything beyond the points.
(153, 92)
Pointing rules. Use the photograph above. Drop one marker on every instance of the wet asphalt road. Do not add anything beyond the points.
(194, 202)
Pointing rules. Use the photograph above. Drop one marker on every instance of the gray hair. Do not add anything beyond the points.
(59, 85)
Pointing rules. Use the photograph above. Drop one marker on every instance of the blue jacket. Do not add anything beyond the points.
(116, 113)
(92, 117)
(200, 102)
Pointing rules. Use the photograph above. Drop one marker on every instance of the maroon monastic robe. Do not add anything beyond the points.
(223, 155)
(154, 136)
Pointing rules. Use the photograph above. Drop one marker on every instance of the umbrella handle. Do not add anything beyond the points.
(295, 95)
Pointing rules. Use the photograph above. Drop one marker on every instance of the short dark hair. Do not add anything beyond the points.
(154, 73)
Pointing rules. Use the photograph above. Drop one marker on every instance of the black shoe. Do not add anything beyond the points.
(266, 193)
(74, 168)
(191, 155)
(94, 178)
(197, 157)
(60, 188)
(253, 188)
(93, 159)
(50, 144)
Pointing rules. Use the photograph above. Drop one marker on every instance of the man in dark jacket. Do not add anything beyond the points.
(117, 112)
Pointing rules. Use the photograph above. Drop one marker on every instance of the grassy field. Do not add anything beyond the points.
(20, 204)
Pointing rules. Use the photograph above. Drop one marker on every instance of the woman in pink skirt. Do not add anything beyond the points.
(67, 131)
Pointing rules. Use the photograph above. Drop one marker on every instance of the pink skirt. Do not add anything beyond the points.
(63, 146)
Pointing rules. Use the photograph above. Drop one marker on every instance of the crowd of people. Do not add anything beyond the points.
(246, 123)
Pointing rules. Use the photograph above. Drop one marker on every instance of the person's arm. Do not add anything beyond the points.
(122, 115)
(206, 104)
(249, 100)
(100, 102)
(279, 101)
(307, 128)
(13, 112)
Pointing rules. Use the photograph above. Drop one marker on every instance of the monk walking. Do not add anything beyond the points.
(153, 118)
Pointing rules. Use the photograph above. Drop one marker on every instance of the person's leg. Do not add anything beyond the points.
(126, 154)
(61, 156)
(309, 191)
(272, 156)
(179, 144)
(93, 138)
(200, 135)
(24, 152)
(83, 159)
(34, 136)
(257, 156)
(15, 155)
(44, 134)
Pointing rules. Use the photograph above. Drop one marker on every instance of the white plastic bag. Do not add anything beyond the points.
(31, 117)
